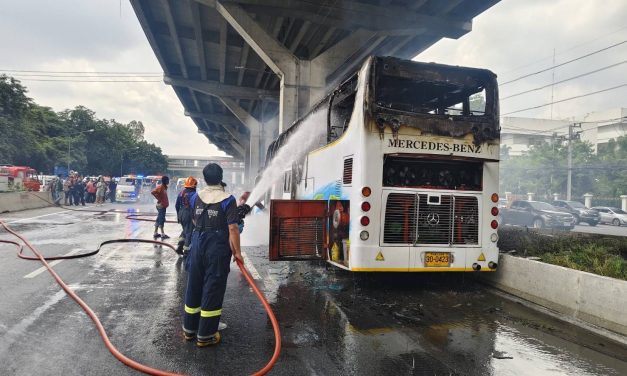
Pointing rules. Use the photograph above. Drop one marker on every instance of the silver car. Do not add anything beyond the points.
(608, 214)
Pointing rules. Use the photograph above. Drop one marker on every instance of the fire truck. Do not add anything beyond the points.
(21, 177)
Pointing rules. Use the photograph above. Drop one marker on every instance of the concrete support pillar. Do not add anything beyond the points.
(556, 196)
(623, 202)
(587, 200)
(254, 128)
(530, 196)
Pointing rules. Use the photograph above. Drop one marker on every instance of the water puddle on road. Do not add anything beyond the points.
(419, 324)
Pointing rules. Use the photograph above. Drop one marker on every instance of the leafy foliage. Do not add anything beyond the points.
(544, 169)
(37, 136)
(600, 254)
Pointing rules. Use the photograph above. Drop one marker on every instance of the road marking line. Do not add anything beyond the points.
(38, 216)
(17, 331)
(52, 263)
(251, 268)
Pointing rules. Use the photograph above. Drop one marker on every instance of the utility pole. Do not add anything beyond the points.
(571, 135)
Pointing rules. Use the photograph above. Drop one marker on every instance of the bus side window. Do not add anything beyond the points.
(342, 108)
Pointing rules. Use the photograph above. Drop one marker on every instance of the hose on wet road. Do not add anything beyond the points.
(92, 315)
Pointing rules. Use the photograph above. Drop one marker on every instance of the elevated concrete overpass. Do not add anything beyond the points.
(245, 70)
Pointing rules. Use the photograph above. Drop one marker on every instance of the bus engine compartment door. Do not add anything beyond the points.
(298, 230)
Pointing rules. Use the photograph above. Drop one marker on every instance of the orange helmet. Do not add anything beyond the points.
(190, 182)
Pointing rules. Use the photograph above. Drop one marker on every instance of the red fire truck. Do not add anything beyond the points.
(23, 176)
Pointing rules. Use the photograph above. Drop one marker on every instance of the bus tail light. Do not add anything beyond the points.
(365, 191)
(365, 206)
(492, 265)
(495, 211)
(365, 221)
(494, 224)
(495, 197)
(364, 235)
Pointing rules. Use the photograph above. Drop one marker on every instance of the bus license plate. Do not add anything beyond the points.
(437, 259)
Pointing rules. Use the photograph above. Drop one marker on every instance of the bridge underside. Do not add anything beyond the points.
(245, 70)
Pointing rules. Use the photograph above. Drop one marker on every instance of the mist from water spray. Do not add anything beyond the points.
(299, 143)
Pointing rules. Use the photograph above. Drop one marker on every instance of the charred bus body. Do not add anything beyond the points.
(405, 178)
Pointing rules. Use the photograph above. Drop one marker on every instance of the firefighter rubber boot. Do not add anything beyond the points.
(209, 341)
(180, 249)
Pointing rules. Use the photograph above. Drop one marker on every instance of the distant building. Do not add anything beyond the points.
(519, 133)
(600, 127)
(181, 166)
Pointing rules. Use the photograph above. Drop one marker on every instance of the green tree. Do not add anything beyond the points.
(544, 170)
(36, 136)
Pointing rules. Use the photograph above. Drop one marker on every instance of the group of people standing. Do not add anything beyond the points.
(80, 190)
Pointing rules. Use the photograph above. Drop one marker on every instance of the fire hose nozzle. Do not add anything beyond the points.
(243, 211)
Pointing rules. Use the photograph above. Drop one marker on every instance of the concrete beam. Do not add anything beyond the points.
(222, 54)
(143, 21)
(274, 54)
(222, 90)
(351, 15)
(175, 36)
(225, 138)
(200, 43)
(228, 120)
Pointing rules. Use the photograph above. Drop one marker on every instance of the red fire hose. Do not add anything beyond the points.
(101, 330)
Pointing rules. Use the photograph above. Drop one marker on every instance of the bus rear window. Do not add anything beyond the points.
(408, 172)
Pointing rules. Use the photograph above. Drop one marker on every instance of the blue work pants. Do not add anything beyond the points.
(208, 266)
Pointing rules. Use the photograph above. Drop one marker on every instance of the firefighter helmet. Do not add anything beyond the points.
(190, 182)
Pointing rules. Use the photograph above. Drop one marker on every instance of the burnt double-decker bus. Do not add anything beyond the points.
(407, 177)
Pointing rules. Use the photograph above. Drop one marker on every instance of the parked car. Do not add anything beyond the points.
(536, 214)
(502, 203)
(579, 211)
(615, 216)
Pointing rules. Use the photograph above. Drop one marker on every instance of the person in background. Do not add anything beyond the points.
(214, 240)
(113, 186)
(67, 190)
(51, 188)
(91, 191)
(184, 214)
(79, 191)
(161, 194)
(58, 188)
(101, 189)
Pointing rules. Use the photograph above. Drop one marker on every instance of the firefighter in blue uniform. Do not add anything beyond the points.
(214, 240)
(184, 215)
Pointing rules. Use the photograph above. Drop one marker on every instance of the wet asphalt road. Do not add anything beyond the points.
(333, 322)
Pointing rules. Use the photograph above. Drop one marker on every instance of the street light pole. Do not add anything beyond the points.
(569, 183)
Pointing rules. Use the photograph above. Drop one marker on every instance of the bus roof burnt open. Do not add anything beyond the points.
(438, 99)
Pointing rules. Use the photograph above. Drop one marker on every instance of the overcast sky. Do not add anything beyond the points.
(512, 38)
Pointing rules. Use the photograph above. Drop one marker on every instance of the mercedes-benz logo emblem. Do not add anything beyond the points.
(433, 219)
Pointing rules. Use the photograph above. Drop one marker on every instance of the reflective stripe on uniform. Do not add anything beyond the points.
(192, 311)
(215, 313)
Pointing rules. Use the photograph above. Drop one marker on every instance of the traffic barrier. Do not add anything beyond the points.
(590, 298)
(17, 201)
